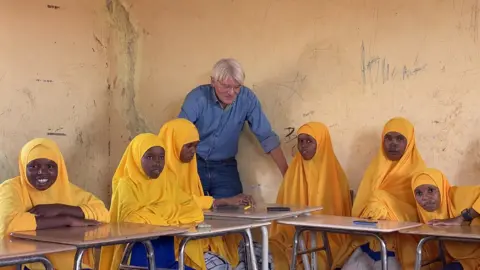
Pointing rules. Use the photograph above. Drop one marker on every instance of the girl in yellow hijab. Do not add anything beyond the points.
(42, 197)
(180, 138)
(385, 193)
(142, 192)
(438, 204)
(315, 178)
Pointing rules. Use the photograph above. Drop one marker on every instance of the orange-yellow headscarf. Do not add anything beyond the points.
(453, 201)
(138, 199)
(175, 134)
(385, 190)
(18, 196)
(385, 193)
(320, 181)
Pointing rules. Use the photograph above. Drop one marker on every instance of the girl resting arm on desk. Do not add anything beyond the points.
(181, 139)
(385, 194)
(143, 191)
(440, 204)
(42, 197)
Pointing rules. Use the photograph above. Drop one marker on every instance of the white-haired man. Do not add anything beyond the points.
(219, 111)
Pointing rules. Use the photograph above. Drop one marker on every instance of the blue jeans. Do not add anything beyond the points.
(453, 266)
(220, 179)
(164, 254)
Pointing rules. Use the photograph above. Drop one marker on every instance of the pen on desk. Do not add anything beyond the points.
(247, 207)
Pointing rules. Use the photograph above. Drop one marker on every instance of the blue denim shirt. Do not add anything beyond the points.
(220, 128)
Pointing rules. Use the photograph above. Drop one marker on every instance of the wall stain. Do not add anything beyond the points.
(126, 53)
(474, 21)
(97, 40)
(7, 170)
(6, 111)
(45, 81)
(56, 134)
(29, 95)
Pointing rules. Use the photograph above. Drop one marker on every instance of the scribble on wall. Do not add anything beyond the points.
(290, 140)
(377, 69)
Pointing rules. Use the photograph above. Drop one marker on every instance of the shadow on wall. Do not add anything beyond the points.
(260, 175)
(363, 149)
(166, 104)
(469, 169)
(8, 168)
(90, 157)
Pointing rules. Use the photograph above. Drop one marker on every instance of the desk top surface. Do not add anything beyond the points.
(224, 226)
(260, 212)
(347, 223)
(103, 234)
(13, 248)
(471, 232)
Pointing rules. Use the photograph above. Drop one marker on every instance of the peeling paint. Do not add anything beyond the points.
(126, 54)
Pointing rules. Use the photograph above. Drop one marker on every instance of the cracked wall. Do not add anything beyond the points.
(349, 64)
(93, 74)
(53, 83)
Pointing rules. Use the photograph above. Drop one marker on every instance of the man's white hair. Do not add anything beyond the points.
(228, 68)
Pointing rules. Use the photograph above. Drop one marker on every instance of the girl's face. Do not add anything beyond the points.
(307, 146)
(428, 197)
(153, 162)
(42, 173)
(394, 145)
(188, 152)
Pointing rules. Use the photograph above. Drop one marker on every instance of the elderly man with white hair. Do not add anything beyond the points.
(219, 111)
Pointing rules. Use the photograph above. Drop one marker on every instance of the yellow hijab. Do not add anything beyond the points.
(320, 181)
(385, 193)
(453, 201)
(18, 196)
(175, 134)
(138, 199)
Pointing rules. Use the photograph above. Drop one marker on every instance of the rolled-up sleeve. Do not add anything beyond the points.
(260, 125)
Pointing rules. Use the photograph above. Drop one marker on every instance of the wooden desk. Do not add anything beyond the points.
(18, 252)
(84, 238)
(260, 214)
(442, 233)
(222, 227)
(336, 224)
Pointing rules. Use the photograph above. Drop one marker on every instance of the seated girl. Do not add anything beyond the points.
(314, 178)
(385, 194)
(42, 197)
(181, 138)
(142, 192)
(440, 204)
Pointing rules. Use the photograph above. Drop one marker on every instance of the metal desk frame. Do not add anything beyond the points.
(27, 259)
(247, 239)
(145, 241)
(326, 246)
(441, 256)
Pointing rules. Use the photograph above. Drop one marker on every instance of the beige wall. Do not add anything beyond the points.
(53, 79)
(349, 64)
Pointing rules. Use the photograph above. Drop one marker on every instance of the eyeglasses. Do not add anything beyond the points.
(226, 88)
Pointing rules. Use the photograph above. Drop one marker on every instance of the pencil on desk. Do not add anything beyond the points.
(247, 207)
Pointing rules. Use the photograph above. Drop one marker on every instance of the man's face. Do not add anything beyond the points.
(226, 90)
